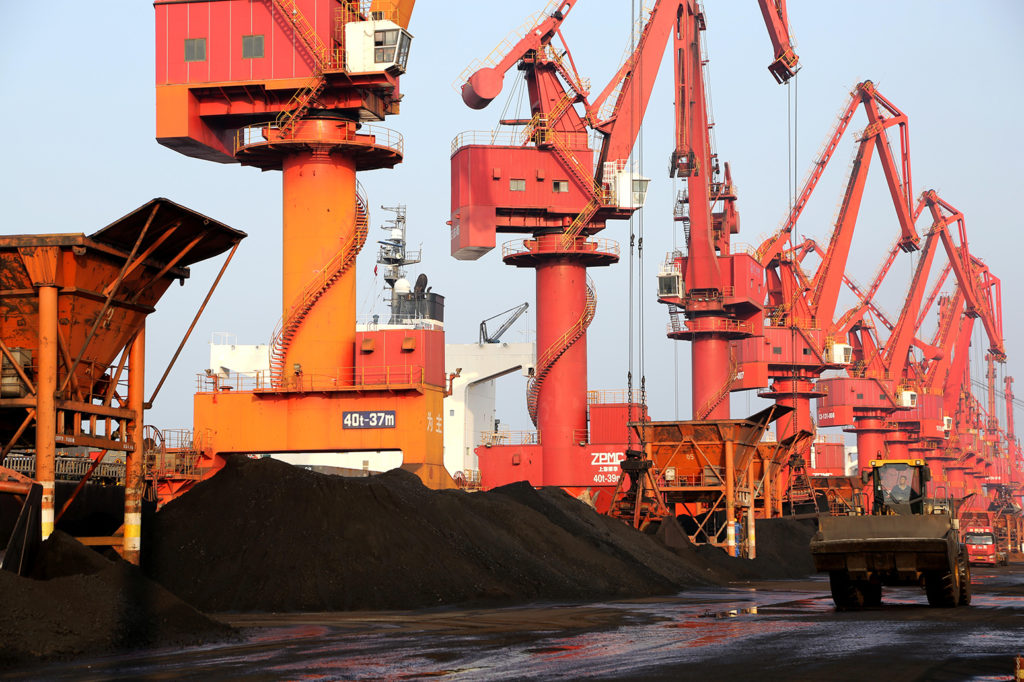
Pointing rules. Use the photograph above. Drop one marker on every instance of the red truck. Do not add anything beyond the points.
(982, 548)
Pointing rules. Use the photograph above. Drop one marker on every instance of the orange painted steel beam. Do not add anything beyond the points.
(133, 466)
(81, 484)
(191, 327)
(17, 368)
(113, 289)
(46, 408)
(101, 541)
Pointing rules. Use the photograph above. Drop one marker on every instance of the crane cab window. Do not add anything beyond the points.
(252, 47)
(560, 185)
(195, 49)
(517, 184)
(384, 44)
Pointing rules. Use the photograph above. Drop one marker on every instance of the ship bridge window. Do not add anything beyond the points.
(384, 43)
(252, 47)
(195, 49)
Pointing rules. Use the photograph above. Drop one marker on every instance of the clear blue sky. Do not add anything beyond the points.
(79, 152)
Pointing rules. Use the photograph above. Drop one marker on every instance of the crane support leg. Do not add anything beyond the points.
(710, 363)
(318, 219)
(562, 402)
(133, 480)
(46, 405)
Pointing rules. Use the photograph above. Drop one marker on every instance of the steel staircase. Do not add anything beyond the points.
(547, 360)
(579, 174)
(341, 263)
(289, 118)
(673, 319)
(306, 33)
(722, 392)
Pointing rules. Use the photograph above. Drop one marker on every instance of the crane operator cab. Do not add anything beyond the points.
(374, 46)
(898, 486)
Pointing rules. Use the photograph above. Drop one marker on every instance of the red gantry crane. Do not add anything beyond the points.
(799, 340)
(297, 86)
(881, 380)
(720, 292)
(544, 181)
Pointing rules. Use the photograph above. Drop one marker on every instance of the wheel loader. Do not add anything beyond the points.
(907, 539)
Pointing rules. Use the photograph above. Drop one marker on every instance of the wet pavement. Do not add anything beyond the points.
(765, 631)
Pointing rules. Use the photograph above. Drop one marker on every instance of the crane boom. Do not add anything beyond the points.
(513, 313)
(485, 84)
(776, 19)
(974, 277)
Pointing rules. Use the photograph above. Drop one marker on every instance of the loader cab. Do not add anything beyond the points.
(898, 486)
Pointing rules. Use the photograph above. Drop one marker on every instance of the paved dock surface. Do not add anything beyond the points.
(784, 630)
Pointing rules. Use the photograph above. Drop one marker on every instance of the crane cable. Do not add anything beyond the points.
(636, 246)
(629, 350)
(632, 243)
(791, 183)
(640, 262)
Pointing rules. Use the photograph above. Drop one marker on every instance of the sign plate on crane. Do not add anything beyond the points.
(370, 419)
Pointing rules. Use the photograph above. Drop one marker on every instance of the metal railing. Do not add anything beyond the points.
(612, 395)
(268, 133)
(518, 246)
(373, 321)
(505, 45)
(489, 438)
(828, 439)
(709, 477)
(468, 479)
(734, 326)
(173, 464)
(505, 138)
(345, 378)
(71, 467)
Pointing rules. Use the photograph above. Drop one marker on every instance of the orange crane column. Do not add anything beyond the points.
(46, 406)
(871, 432)
(795, 393)
(751, 531)
(319, 198)
(562, 403)
(730, 497)
(133, 480)
(709, 362)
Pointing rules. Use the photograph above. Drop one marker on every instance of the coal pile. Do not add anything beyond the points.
(265, 536)
(783, 551)
(80, 602)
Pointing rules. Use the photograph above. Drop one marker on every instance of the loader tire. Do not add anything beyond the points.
(965, 582)
(942, 588)
(846, 593)
(872, 593)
